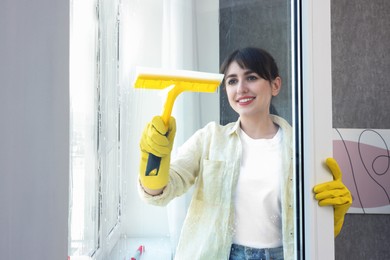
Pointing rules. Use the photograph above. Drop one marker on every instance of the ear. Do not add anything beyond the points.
(276, 85)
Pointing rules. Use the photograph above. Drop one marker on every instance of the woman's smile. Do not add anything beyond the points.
(245, 100)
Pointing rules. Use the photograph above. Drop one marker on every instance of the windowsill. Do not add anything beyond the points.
(155, 248)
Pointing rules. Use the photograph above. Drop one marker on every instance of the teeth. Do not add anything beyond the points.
(245, 100)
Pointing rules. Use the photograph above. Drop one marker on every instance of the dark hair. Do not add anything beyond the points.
(255, 59)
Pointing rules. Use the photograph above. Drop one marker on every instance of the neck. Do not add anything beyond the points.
(260, 128)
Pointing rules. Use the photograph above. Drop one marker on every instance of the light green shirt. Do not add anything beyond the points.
(210, 160)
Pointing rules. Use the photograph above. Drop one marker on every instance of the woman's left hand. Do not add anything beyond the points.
(334, 193)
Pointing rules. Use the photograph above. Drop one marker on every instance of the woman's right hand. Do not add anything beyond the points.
(156, 146)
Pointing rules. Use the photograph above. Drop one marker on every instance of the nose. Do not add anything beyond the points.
(242, 87)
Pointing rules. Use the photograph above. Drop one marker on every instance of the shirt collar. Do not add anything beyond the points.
(278, 120)
(235, 127)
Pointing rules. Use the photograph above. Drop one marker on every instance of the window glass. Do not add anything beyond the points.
(270, 25)
(198, 35)
(191, 35)
(95, 199)
(109, 114)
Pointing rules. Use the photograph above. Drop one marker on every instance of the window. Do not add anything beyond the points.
(95, 202)
(189, 36)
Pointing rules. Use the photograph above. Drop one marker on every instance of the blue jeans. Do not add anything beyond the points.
(238, 252)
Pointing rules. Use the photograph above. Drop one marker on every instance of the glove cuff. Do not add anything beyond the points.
(157, 179)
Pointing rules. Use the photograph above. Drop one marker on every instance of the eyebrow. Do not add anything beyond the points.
(247, 72)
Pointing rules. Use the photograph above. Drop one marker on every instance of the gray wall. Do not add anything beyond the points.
(34, 131)
(361, 99)
(258, 23)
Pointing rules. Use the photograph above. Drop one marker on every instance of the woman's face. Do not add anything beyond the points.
(248, 93)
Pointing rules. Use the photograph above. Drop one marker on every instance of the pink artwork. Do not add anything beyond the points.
(364, 158)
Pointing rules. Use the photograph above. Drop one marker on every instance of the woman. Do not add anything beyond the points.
(242, 172)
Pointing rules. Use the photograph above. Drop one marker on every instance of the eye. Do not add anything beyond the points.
(252, 77)
(231, 81)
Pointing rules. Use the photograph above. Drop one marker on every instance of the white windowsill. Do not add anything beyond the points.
(155, 248)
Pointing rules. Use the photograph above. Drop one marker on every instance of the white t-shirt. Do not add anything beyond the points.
(258, 221)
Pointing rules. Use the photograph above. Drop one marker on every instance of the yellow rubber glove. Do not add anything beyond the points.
(156, 146)
(334, 193)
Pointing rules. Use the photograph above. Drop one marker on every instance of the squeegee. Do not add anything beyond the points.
(176, 82)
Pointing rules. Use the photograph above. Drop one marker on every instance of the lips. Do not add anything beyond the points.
(245, 100)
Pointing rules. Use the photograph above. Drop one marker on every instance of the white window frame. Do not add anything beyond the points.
(317, 125)
(83, 203)
(107, 115)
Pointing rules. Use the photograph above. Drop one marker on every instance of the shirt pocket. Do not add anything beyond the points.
(212, 181)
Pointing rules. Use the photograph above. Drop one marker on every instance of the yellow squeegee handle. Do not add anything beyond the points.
(154, 161)
(171, 97)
